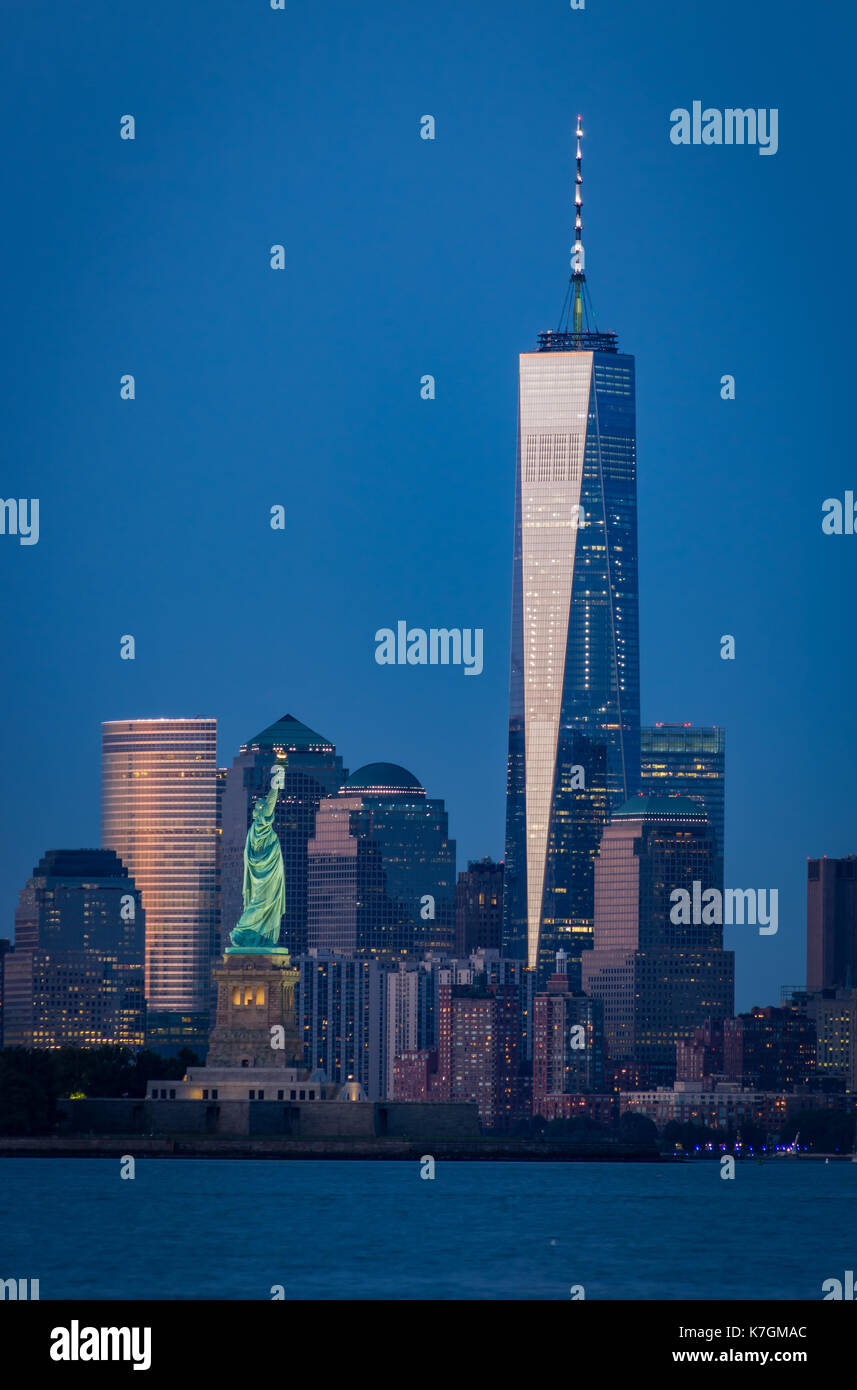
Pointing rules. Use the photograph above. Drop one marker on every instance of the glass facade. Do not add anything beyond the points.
(678, 758)
(76, 976)
(658, 980)
(381, 868)
(159, 813)
(339, 1004)
(574, 717)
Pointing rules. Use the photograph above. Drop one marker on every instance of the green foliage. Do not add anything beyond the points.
(822, 1131)
(579, 1127)
(637, 1129)
(26, 1091)
(32, 1080)
(689, 1135)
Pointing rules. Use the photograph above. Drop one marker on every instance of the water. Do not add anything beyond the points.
(343, 1230)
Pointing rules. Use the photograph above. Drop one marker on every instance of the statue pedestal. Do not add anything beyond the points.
(255, 994)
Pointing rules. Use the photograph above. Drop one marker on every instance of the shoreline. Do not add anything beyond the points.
(388, 1149)
(384, 1149)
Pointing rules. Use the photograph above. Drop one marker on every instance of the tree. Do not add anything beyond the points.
(637, 1129)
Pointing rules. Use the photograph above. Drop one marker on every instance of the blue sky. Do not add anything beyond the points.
(301, 387)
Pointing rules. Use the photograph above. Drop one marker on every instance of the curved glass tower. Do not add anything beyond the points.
(574, 706)
(159, 814)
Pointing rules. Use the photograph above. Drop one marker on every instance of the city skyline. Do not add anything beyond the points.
(397, 495)
(427, 536)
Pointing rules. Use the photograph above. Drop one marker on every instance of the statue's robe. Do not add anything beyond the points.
(264, 880)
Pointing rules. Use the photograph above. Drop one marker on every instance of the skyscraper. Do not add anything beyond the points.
(402, 1016)
(479, 1051)
(769, 1049)
(678, 758)
(831, 923)
(479, 907)
(6, 949)
(574, 716)
(75, 977)
(659, 979)
(159, 813)
(834, 1012)
(340, 1007)
(381, 868)
(568, 1043)
(311, 770)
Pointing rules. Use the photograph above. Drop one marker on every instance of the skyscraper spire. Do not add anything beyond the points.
(578, 276)
(577, 330)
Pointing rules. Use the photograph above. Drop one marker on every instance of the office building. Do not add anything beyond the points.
(340, 1005)
(479, 907)
(76, 976)
(574, 706)
(769, 1049)
(5, 948)
(658, 976)
(831, 923)
(701, 1055)
(159, 814)
(834, 1014)
(381, 869)
(479, 1052)
(568, 1041)
(679, 759)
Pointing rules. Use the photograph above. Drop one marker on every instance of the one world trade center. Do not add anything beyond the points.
(574, 707)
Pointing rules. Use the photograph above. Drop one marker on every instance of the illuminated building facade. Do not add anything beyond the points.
(159, 813)
(479, 907)
(479, 1047)
(770, 1049)
(687, 761)
(658, 979)
(574, 716)
(381, 868)
(339, 1003)
(834, 1012)
(76, 976)
(568, 1042)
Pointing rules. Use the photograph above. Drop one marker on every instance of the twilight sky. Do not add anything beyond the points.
(301, 387)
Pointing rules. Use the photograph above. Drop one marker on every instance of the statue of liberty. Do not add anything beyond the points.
(258, 927)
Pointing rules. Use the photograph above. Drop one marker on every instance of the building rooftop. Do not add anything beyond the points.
(588, 341)
(80, 863)
(382, 778)
(288, 732)
(645, 807)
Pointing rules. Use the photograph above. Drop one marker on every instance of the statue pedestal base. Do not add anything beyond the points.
(255, 999)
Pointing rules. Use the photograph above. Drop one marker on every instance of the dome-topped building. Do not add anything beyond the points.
(381, 879)
(380, 779)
